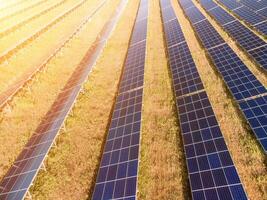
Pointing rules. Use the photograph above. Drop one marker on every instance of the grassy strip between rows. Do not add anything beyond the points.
(29, 106)
(245, 150)
(162, 173)
(73, 164)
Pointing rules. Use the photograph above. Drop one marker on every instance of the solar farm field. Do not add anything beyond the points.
(133, 99)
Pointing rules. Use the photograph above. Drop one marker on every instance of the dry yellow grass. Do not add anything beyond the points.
(30, 106)
(21, 16)
(72, 165)
(23, 32)
(162, 173)
(39, 49)
(246, 153)
(16, 7)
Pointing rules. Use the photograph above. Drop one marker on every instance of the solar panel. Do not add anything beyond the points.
(168, 15)
(221, 16)
(186, 4)
(194, 15)
(248, 40)
(185, 75)
(260, 55)
(255, 111)
(16, 183)
(241, 82)
(239, 79)
(174, 33)
(117, 174)
(230, 4)
(208, 4)
(254, 5)
(263, 12)
(262, 27)
(212, 174)
(208, 35)
(248, 15)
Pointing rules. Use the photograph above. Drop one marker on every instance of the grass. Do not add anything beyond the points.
(72, 165)
(33, 55)
(21, 16)
(162, 173)
(29, 106)
(246, 153)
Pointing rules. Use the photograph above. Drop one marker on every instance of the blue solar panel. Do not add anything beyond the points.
(221, 15)
(248, 15)
(248, 40)
(263, 12)
(186, 4)
(262, 27)
(208, 4)
(254, 5)
(174, 33)
(212, 174)
(255, 111)
(209, 163)
(117, 174)
(260, 55)
(194, 15)
(185, 75)
(208, 35)
(230, 4)
(240, 81)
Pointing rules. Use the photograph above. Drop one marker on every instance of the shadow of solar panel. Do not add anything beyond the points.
(230, 4)
(221, 16)
(260, 55)
(194, 15)
(255, 111)
(208, 4)
(241, 82)
(248, 15)
(246, 38)
(208, 35)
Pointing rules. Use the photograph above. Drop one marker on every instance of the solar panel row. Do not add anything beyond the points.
(253, 44)
(212, 174)
(19, 178)
(239, 79)
(240, 9)
(117, 174)
(255, 5)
